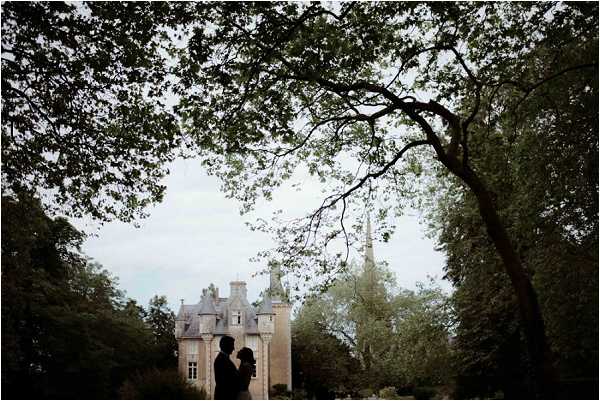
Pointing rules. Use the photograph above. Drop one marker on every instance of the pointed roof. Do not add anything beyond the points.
(210, 304)
(276, 290)
(369, 257)
(266, 308)
(183, 312)
(369, 265)
(207, 306)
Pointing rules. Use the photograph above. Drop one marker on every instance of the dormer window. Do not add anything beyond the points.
(236, 318)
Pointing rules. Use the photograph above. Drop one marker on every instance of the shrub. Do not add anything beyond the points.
(424, 393)
(299, 394)
(279, 391)
(388, 393)
(157, 384)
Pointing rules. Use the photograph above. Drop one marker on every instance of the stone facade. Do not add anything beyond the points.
(281, 347)
(266, 331)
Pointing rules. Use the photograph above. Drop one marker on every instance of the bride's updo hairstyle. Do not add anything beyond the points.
(246, 355)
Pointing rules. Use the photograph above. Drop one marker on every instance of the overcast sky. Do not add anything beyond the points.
(196, 236)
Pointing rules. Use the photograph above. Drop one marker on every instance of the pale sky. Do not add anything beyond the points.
(196, 236)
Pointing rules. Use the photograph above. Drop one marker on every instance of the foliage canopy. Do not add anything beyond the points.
(349, 92)
(83, 113)
(553, 139)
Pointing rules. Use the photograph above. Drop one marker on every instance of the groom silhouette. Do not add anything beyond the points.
(227, 377)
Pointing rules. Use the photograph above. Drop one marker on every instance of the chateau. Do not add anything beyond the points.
(265, 330)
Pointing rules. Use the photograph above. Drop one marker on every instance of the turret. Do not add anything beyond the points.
(276, 320)
(276, 290)
(180, 320)
(265, 317)
(208, 315)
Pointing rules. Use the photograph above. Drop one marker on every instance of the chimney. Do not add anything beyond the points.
(238, 289)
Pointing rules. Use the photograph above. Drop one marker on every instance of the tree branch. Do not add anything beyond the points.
(551, 77)
(377, 174)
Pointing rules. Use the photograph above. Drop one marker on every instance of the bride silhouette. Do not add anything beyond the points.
(247, 370)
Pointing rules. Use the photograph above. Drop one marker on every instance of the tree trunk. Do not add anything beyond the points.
(545, 377)
(544, 374)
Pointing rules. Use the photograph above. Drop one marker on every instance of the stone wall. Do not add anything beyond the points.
(281, 347)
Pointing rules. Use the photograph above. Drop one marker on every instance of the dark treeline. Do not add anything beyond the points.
(67, 330)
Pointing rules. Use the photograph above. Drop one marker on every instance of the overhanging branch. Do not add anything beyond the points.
(376, 174)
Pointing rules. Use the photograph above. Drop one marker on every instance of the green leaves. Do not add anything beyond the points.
(535, 151)
(293, 86)
(81, 105)
(68, 331)
(398, 337)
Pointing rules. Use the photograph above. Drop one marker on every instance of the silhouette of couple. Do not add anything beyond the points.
(231, 383)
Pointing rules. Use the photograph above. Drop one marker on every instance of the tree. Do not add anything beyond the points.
(266, 87)
(396, 338)
(162, 323)
(311, 341)
(134, 310)
(423, 331)
(34, 249)
(66, 332)
(83, 109)
(554, 140)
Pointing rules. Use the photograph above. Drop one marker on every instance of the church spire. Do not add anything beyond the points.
(369, 266)
(369, 257)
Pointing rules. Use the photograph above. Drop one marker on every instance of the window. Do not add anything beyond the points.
(192, 370)
(236, 318)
